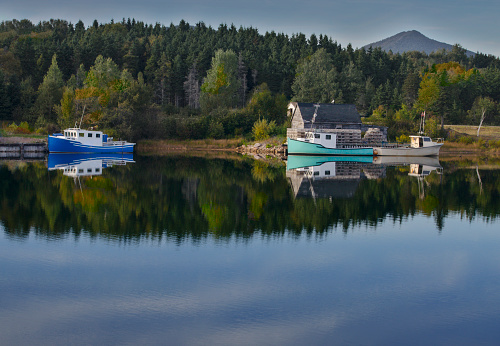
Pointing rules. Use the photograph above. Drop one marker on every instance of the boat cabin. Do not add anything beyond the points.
(83, 169)
(328, 140)
(421, 141)
(85, 136)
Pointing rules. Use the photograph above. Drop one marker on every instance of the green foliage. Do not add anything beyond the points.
(66, 111)
(102, 73)
(262, 129)
(101, 63)
(264, 105)
(316, 79)
(466, 140)
(187, 199)
(219, 88)
(215, 129)
(403, 139)
(23, 128)
(49, 93)
(432, 127)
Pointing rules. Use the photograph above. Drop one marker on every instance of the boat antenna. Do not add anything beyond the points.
(83, 112)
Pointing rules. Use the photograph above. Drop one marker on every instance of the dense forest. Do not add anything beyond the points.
(139, 80)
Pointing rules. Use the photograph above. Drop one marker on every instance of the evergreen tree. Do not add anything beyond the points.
(49, 93)
(316, 79)
(5, 102)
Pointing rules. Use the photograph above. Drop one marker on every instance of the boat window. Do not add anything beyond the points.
(427, 139)
(80, 170)
(327, 172)
(316, 135)
(97, 135)
(328, 136)
(89, 170)
(316, 173)
(81, 134)
(97, 169)
(89, 135)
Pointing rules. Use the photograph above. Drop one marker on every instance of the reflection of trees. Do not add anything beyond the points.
(192, 198)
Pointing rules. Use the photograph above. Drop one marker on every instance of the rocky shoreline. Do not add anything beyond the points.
(263, 149)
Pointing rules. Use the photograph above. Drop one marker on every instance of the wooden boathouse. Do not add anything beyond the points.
(342, 119)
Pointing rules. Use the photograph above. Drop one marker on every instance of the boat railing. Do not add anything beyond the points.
(391, 145)
(114, 143)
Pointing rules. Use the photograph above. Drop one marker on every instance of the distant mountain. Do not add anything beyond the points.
(411, 40)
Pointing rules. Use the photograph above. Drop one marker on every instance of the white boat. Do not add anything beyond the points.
(76, 140)
(419, 146)
(406, 160)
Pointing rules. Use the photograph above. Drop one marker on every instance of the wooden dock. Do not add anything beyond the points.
(22, 150)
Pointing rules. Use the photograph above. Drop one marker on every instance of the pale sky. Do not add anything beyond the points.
(472, 24)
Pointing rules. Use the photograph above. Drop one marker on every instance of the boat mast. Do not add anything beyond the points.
(422, 124)
(83, 112)
(316, 106)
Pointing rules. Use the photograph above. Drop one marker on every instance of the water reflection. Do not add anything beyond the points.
(192, 198)
(86, 165)
(339, 176)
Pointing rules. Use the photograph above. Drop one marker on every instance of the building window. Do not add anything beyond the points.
(89, 135)
(328, 137)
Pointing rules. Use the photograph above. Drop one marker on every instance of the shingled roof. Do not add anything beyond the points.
(329, 113)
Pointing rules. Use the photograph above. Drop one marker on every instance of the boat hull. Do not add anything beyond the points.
(57, 160)
(59, 144)
(296, 147)
(300, 161)
(408, 151)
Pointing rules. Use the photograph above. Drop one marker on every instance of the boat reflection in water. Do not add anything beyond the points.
(339, 176)
(86, 165)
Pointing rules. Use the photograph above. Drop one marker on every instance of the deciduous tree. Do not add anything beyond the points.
(220, 87)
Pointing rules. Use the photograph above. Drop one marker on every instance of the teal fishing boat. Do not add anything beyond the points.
(300, 161)
(317, 142)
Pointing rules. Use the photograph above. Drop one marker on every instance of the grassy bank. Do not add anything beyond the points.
(162, 145)
(486, 132)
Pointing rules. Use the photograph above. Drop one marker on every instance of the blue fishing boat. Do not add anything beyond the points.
(76, 140)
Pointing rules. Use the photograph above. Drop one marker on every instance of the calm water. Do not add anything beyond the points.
(209, 251)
